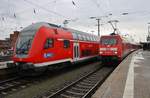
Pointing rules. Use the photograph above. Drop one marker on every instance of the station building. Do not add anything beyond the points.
(9, 43)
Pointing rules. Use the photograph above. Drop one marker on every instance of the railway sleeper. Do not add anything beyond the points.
(74, 94)
(6, 88)
(80, 89)
(77, 91)
(93, 76)
(67, 96)
(14, 89)
(83, 86)
(92, 79)
(89, 81)
(16, 82)
(4, 93)
(88, 84)
(10, 85)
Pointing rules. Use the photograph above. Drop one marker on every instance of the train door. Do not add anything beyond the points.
(76, 51)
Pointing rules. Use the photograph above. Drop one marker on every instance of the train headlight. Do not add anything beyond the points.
(102, 49)
(115, 52)
(114, 49)
(100, 52)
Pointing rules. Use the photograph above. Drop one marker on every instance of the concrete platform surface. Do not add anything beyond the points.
(131, 79)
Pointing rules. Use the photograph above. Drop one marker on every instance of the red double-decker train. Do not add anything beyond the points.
(113, 48)
(43, 44)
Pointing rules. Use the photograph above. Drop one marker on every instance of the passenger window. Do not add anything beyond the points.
(49, 43)
(88, 38)
(66, 43)
(80, 37)
(84, 37)
(93, 38)
(75, 36)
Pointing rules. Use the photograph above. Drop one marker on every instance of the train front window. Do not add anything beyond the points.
(108, 41)
(24, 42)
(25, 39)
(49, 43)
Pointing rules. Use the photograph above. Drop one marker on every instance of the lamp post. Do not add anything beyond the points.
(148, 37)
(148, 28)
(98, 22)
(98, 25)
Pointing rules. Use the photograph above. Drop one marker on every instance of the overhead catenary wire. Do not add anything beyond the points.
(45, 9)
(29, 8)
(15, 15)
(73, 3)
(34, 9)
(98, 5)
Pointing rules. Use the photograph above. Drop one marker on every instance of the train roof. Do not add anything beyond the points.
(124, 38)
(37, 25)
(116, 35)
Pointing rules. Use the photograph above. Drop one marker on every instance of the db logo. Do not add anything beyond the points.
(47, 55)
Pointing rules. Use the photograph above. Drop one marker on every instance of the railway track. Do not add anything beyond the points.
(12, 84)
(15, 84)
(83, 87)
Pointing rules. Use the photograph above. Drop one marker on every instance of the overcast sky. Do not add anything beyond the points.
(17, 14)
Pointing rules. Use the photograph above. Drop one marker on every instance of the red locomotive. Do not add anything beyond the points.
(113, 48)
(43, 44)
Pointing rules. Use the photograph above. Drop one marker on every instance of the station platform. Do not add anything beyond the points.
(131, 79)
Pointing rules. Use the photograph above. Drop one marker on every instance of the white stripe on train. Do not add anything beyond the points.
(62, 60)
